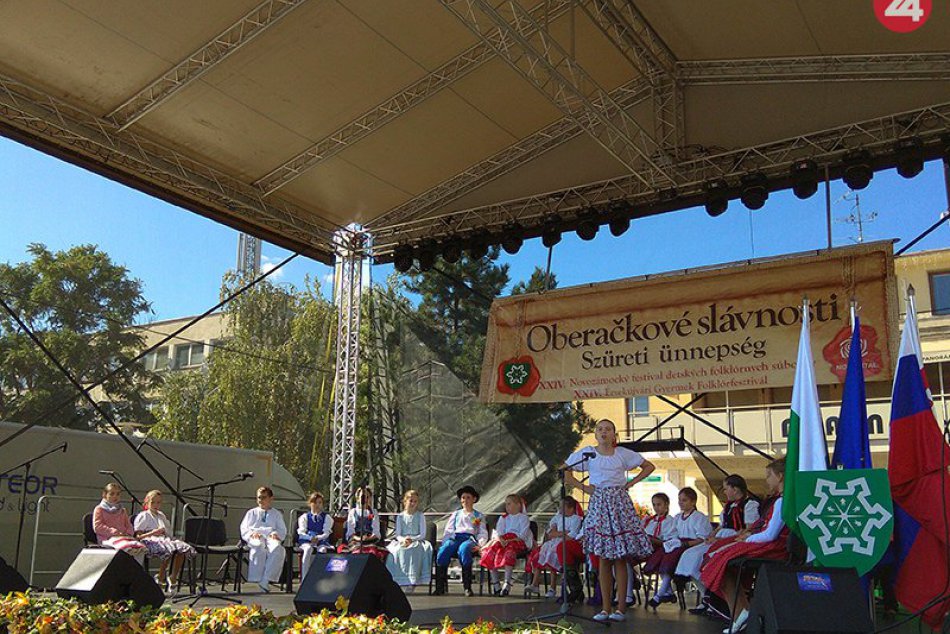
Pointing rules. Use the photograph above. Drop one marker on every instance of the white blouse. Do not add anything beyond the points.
(572, 525)
(773, 528)
(519, 524)
(355, 515)
(606, 471)
(694, 526)
(662, 530)
(257, 520)
(462, 522)
(148, 521)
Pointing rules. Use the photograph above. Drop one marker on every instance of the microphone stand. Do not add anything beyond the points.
(178, 469)
(28, 464)
(567, 608)
(202, 592)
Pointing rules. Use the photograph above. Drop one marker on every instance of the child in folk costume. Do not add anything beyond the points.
(155, 531)
(314, 529)
(362, 527)
(264, 531)
(741, 511)
(690, 528)
(659, 527)
(566, 524)
(510, 538)
(411, 561)
(764, 539)
(112, 526)
(612, 529)
(465, 533)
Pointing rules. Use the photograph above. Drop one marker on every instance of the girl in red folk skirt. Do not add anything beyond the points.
(764, 539)
(690, 528)
(510, 538)
(612, 529)
(564, 525)
(362, 527)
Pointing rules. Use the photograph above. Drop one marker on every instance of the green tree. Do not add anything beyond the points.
(268, 387)
(81, 305)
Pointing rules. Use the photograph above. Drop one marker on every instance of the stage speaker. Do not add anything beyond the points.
(98, 575)
(800, 599)
(360, 579)
(10, 579)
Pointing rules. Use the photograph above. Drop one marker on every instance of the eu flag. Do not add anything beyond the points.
(852, 445)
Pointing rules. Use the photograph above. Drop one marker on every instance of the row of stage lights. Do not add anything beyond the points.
(804, 176)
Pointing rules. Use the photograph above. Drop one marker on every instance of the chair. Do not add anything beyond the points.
(431, 532)
(89, 537)
(210, 536)
(797, 552)
(524, 557)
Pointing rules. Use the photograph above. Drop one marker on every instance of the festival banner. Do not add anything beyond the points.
(732, 327)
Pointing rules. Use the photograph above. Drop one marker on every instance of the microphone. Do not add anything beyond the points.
(246, 475)
(64, 447)
(589, 455)
(108, 473)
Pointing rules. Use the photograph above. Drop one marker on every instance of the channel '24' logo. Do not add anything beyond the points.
(903, 16)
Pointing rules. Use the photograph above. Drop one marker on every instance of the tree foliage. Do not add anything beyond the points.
(81, 305)
(269, 387)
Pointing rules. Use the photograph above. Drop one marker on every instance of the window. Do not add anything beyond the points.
(638, 406)
(189, 355)
(156, 360)
(940, 293)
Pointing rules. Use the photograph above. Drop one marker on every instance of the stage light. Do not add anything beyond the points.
(512, 238)
(551, 234)
(587, 229)
(804, 175)
(402, 258)
(755, 190)
(451, 250)
(717, 197)
(619, 225)
(477, 247)
(425, 256)
(857, 170)
(910, 157)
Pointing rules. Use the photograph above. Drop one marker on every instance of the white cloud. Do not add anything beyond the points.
(267, 264)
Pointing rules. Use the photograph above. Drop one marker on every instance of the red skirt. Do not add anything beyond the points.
(364, 549)
(725, 550)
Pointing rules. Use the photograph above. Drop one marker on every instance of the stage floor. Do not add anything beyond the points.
(429, 610)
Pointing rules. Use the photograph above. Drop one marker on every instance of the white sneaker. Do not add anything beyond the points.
(739, 624)
(601, 616)
(551, 593)
(618, 616)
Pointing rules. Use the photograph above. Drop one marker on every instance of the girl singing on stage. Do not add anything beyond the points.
(612, 530)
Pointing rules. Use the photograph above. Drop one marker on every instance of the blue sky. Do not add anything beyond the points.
(180, 256)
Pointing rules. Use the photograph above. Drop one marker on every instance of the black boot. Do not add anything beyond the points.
(467, 581)
(441, 580)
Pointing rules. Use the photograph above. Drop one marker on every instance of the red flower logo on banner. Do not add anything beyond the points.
(837, 350)
(518, 376)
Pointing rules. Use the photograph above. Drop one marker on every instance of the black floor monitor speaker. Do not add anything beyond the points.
(10, 579)
(799, 599)
(99, 575)
(360, 579)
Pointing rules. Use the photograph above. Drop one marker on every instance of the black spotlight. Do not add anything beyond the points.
(755, 190)
(717, 197)
(425, 256)
(618, 225)
(910, 157)
(804, 174)
(512, 238)
(587, 229)
(857, 169)
(451, 250)
(551, 234)
(477, 247)
(402, 258)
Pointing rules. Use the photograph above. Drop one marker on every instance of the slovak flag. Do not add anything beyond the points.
(919, 482)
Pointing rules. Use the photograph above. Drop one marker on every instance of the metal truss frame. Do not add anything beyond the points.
(773, 159)
(38, 118)
(351, 250)
(249, 255)
(255, 22)
(536, 55)
(395, 106)
(915, 67)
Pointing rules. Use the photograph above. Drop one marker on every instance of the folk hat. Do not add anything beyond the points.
(467, 489)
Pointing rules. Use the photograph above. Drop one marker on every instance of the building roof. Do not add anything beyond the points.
(422, 121)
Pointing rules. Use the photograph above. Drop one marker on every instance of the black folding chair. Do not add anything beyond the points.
(200, 531)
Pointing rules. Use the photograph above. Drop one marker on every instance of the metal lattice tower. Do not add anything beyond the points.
(348, 291)
(249, 255)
